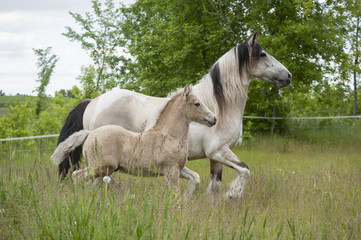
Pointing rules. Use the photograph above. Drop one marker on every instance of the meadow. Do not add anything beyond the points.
(305, 187)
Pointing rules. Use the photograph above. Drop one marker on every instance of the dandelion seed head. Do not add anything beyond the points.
(107, 179)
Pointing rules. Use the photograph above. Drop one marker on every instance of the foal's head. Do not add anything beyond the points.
(195, 110)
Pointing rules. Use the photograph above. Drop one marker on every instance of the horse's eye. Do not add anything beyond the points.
(197, 104)
(263, 54)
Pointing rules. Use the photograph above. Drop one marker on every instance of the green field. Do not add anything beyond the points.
(300, 188)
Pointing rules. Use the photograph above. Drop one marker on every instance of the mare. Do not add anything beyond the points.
(223, 90)
(162, 150)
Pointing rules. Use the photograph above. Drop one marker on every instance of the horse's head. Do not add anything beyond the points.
(264, 66)
(197, 111)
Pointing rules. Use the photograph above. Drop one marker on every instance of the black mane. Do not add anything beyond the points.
(242, 53)
(217, 86)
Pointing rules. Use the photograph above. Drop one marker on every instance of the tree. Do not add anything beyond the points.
(2, 93)
(172, 43)
(46, 65)
(101, 38)
(353, 12)
(304, 35)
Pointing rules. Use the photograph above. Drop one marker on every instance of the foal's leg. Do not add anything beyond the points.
(194, 180)
(172, 177)
(96, 175)
(216, 177)
(228, 158)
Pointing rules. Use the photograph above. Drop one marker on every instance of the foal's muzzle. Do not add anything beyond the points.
(210, 120)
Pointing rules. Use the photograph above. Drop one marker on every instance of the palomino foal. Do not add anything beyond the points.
(162, 150)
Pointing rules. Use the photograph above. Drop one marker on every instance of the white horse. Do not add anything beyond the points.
(223, 90)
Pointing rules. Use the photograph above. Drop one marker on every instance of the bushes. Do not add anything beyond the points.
(22, 119)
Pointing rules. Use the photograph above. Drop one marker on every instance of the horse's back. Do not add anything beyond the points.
(133, 111)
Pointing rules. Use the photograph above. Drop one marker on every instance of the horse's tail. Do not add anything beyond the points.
(73, 123)
(67, 146)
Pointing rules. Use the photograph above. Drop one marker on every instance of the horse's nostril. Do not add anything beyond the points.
(289, 76)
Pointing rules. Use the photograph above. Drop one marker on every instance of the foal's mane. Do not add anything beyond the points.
(172, 98)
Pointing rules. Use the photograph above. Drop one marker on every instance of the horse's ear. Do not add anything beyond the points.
(253, 40)
(187, 90)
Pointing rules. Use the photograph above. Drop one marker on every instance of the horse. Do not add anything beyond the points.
(223, 90)
(161, 150)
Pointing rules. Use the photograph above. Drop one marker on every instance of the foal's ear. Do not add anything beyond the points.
(253, 40)
(187, 90)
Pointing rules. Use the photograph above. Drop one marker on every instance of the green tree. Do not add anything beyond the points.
(46, 64)
(353, 14)
(172, 43)
(101, 37)
(306, 36)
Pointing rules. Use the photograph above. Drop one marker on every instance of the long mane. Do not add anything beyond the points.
(227, 78)
(230, 72)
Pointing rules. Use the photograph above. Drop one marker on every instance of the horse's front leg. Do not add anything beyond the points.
(194, 180)
(226, 157)
(216, 178)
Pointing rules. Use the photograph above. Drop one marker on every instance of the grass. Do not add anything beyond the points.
(300, 188)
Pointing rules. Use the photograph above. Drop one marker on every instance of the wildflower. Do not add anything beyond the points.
(107, 179)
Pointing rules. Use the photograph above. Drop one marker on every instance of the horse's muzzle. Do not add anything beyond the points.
(284, 82)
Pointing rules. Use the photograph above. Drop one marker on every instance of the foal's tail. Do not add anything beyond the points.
(73, 123)
(64, 148)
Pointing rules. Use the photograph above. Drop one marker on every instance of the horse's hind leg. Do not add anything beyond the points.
(216, 178)
(194, 180)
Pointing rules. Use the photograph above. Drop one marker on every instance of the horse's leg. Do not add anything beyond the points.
(216, 177)
(194, 180)
(81, 173)
(113, 181)
(172, 178)
(75, 157)
(228, 158)
(95, 176)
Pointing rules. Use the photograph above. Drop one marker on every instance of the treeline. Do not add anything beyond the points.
(156, 46)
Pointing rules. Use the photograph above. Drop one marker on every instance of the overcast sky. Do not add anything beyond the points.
(29, 24)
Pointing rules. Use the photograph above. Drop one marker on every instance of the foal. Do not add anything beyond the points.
(162, 150)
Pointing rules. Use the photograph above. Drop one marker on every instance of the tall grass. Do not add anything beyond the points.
(300, 188)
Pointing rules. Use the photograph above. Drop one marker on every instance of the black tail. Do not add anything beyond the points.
(73, 123)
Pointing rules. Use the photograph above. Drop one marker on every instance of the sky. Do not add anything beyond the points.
(32, 24)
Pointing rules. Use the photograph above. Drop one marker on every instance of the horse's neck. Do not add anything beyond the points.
(173, 121)
(235, 97)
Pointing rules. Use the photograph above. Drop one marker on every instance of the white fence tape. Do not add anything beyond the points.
(248, 117)
(30, 137)
(300, 118)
